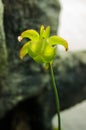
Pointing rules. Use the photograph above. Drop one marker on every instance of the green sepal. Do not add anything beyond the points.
(31, 34)
(39, 59)
(24, 50)
(54, 40)
(49, 53)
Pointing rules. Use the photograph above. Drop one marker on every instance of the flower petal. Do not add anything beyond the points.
(31, 34)
(53, 40)
(44, 33)
(47, 32)
(24, 50)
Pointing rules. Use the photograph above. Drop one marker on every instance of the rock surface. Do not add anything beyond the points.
(26, 85)
(3, 51)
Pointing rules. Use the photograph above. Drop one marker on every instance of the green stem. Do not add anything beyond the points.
(56, 96)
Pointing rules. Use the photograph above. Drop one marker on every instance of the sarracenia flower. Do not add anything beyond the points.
(40, 46)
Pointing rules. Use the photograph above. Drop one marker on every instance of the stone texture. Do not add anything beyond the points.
(3, 50)
(71, 80)
(26, 85)
(25, 79)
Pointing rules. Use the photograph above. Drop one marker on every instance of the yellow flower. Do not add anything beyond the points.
(40, 46)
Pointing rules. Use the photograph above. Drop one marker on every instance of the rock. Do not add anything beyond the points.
(3, 51)
(70, 77)
(18, 82)
(26, 85)
(18, 16)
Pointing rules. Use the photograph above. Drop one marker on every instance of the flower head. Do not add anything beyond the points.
(40, 46)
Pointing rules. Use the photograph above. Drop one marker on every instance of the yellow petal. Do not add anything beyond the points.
(24, 50)
(53, 40)
(31, 34)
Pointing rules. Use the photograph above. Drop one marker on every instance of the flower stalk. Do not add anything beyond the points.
(56, 95)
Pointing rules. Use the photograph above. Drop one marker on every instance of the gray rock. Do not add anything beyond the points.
(70, 77)
(26, 85)
(3, 51)
(25, 79)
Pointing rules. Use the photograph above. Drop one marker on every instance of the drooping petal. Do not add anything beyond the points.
(24, 50)
(53, 40)
(31, 34)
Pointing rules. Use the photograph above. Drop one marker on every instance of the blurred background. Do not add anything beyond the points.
(73, 23)
(73, 28)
